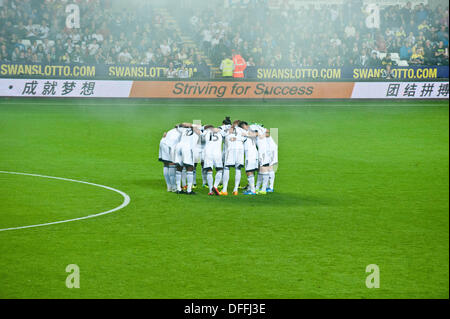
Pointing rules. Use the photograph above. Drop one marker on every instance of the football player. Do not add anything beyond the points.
(273, 151)
(263, 157)
(213, 156)
(184, 155)
(166, 155)
(234, 156)
(251, 157)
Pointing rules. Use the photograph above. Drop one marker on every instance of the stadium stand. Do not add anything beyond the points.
(341, 39)
(35, 31)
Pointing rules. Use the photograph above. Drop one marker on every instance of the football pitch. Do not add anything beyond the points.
(358, 183)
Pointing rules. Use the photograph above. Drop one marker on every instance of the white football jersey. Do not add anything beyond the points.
(172, 137)
(271, 144)
(225, 127)
(250, 144)
(213, 141)
(201, 142)
(261, 139)
(188, 137)
(258, 128)
(236, 139)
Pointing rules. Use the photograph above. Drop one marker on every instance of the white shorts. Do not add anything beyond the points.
(202, 154)
(263, 152)
(264, 158)
(165, 154)
(273, 153)
(251, 160)
(274, 157)
(213, 160)
(198, 155)
(234, 157)
(183, 155)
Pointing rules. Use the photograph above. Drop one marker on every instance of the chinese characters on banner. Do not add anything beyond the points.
(401, 90)
(64, 88)
(418, 90)
(58, 88)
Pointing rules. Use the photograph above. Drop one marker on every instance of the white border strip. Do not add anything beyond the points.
(220, 103)
(126, 201)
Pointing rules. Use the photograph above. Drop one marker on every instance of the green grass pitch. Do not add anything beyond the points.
(359, 183)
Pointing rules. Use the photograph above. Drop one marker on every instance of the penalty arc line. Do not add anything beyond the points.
(125, 202)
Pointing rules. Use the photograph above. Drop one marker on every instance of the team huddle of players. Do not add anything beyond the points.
(232, 145)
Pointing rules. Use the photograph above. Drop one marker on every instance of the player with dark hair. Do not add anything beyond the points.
(226, 121)
(213, 156)
(251, 158)
(226, 124)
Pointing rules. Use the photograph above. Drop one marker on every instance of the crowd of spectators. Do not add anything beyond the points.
(329, 35)
(138, 36)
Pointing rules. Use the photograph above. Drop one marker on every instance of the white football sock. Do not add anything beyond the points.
(265, 178)
(178, 180)
(183, 177)
(167, 177)
(190, 179)
(218, 178)
(204, 178)
(251, 183)
(226, 178)
(172, 171)
(237, 179)
(272, 179)
(259, 181)
(209, 177)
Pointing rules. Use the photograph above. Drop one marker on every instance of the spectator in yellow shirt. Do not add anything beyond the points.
(417, 57)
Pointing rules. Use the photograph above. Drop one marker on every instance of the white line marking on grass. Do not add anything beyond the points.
(126, 201)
